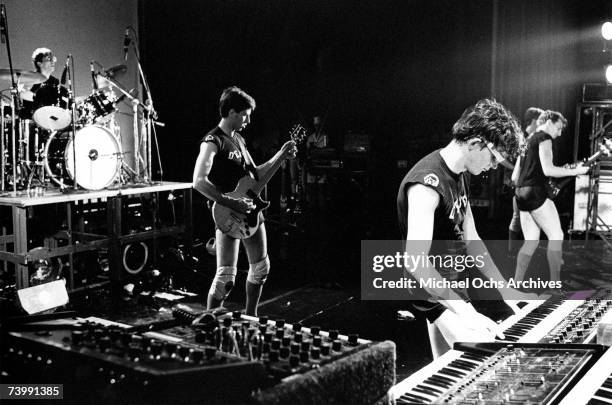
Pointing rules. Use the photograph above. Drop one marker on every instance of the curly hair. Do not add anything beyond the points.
(236, 99)
(491, 122)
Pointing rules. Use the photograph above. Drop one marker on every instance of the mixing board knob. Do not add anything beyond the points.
(227, 322)
(294, 360)
(273, 356)
(286, 340)
(305, 345)
(265, 348)
(333, 334)
(77, 337)
(353, 338)
(315, 330)
(104, 342)
(280, 333)
(315, 353)
(263, 329)
(316, 341)
(284, 352)
(236, 315)
(276, 343)
(325, 349)
(297, 337)
(304, 357)
(336, 345)
(268, 336)
(297, 327)
(263, 320)
(295, 348)
(280, 323)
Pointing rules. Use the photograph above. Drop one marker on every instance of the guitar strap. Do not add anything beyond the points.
(249, 165)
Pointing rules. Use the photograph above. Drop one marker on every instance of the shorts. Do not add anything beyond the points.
(529, 198)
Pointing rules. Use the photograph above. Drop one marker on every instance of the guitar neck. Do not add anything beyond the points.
(267, 175)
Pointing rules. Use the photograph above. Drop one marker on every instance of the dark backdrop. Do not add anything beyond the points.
(401, 71)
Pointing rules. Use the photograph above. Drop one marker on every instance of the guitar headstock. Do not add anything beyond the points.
(297, 133)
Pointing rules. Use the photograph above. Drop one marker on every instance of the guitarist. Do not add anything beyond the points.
(537, 211)
(223, 160)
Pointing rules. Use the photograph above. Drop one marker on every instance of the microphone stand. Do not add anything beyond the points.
(14, 93)
(150, 117)
(72, 103)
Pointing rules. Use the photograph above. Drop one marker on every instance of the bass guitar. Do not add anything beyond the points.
(241, 225)
(555, 185)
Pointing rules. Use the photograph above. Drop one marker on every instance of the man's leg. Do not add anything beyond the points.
(259, 267)
(227, 259)
(547, 219)
(531, 232)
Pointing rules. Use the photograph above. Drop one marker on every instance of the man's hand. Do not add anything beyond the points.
(467, 325)
(289, 150)
(242, 204)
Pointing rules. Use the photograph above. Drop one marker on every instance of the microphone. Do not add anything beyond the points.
(93, 76)
(126, 43)
(65, 71)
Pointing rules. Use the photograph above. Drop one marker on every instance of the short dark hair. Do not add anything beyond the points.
(38, 55)
(532, 113)
(553, 116)
(491, 122)
(236, 99)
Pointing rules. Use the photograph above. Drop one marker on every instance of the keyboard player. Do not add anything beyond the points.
(432, 204)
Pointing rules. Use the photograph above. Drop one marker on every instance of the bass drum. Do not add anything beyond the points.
(98, 157)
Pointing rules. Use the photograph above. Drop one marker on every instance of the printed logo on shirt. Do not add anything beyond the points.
(431, 180)
(235, 154)
(209, 138)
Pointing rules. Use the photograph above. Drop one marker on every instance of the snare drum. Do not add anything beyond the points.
(96, 107)
(51, 107)
(98, 157)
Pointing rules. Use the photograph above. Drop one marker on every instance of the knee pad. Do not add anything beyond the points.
(223, 282)
(258, 272)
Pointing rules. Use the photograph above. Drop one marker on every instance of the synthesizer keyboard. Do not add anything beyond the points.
(556, 320)
(498, 373)
(596, 385)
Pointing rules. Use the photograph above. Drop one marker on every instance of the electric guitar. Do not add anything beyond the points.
(241, 225)
(555, 185)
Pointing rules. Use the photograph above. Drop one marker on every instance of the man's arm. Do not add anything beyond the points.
(202, 184)
(422, 204)
(549, 169)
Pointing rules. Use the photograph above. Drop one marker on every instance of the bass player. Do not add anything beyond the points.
(223, 160)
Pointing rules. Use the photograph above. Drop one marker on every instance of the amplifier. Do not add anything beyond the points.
(596, 92)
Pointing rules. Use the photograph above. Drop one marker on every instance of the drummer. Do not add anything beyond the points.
(44, 63)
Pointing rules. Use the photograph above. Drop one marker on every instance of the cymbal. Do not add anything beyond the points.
(26, 77)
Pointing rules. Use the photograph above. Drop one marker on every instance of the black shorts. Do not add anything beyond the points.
(529, 198)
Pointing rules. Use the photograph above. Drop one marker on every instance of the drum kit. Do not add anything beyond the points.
(44, 151)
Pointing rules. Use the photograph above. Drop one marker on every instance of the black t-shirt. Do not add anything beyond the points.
(433, 172)
(229, 164)
(531, 167)
(28, 106)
